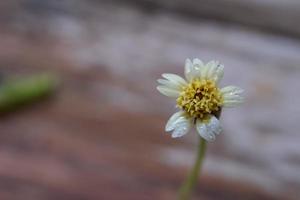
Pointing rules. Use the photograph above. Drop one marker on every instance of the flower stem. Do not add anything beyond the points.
(189, 184)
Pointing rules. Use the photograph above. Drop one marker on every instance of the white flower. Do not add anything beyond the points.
(199, 98)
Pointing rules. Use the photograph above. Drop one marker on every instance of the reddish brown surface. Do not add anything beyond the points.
(62, 149)
(77, 146)
(88, 142)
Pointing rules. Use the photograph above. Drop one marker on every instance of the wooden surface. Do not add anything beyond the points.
(101, 136)
(268, 15)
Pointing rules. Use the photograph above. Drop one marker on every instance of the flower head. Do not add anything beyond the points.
(199, 98)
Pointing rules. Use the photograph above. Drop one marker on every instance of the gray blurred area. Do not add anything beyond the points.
(102, 135)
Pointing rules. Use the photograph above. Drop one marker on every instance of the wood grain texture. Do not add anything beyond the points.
(101, 136)
(269, 15)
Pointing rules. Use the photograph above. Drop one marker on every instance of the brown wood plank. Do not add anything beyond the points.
(101, 135)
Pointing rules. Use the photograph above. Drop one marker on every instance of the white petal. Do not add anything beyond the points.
(232, 89)
(215, 72)
(163, 81)
(209, 130)
(171, 122)
(182, 127)
(169, 84)
(230, 104)
(197, 63)
(219, 73)
(232, 96)
(188, 69)
(212, 67)
(167, 91)
(205, 69)
(175, 79)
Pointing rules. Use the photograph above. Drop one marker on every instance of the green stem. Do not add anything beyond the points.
(189, 184)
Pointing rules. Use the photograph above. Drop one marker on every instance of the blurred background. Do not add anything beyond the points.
(100, 135)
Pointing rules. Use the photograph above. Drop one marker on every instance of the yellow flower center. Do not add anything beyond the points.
(200, 98)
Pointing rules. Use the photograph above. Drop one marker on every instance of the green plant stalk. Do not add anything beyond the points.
(189, 184)
(23, 91)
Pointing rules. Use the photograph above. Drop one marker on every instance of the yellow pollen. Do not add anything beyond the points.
(200, 98)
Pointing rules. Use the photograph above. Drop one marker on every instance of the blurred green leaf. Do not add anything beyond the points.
(22, 91)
